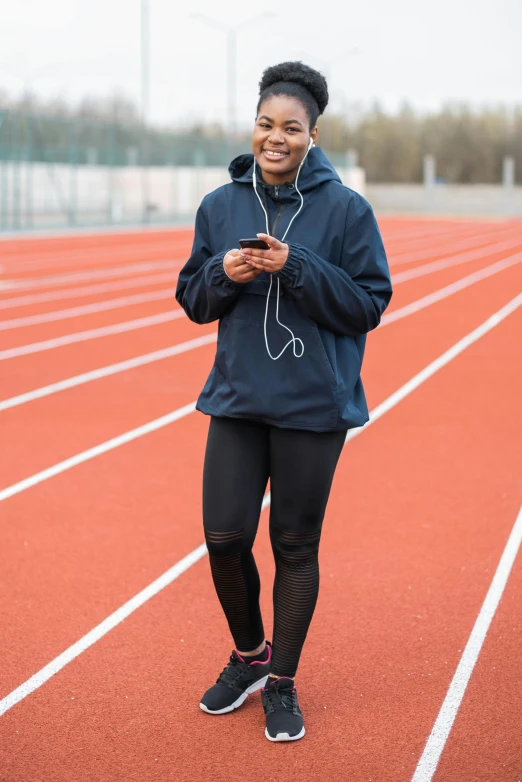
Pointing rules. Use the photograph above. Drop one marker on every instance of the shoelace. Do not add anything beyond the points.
(278, 699)
(231, 673)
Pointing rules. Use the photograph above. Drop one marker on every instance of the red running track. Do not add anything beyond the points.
(421, 509)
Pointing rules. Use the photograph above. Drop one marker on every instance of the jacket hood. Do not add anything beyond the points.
(316, 170)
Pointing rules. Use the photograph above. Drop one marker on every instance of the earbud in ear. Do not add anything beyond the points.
(310, 145)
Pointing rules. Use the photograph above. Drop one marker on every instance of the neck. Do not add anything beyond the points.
(278, 179)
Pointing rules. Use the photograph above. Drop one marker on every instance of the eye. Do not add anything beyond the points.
(264, 125)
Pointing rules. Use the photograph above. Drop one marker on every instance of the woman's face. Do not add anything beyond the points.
(281, 138)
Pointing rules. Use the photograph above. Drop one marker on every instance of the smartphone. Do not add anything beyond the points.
(253, 244)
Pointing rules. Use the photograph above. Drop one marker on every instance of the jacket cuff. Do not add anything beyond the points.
(292, 267)
(219, 275)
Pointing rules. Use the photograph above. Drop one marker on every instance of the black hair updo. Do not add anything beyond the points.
(296, 80)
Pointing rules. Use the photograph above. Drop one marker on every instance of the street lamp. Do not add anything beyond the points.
(145, 73)
(231, 32)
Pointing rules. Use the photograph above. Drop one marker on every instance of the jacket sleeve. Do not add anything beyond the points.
(204, 290)
(348, 299)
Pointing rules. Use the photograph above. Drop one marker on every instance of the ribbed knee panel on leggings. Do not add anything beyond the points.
(236, 580)
(296, 588)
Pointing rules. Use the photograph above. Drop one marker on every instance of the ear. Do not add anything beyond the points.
(313, 135)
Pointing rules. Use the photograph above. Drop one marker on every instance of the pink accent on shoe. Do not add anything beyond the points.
(236, 651)
(264, 662)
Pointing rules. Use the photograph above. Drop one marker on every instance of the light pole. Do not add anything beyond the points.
(145, 76)
(231, 33)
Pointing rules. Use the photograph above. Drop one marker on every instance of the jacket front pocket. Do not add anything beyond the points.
(299, 391)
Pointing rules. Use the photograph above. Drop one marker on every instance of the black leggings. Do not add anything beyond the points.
(239, 459)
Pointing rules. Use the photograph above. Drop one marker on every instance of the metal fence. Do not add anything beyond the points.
(63, 171)
(60, 170)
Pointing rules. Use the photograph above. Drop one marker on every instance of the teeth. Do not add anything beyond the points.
(274, 154)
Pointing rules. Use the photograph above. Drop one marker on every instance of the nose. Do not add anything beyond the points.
(276, 136)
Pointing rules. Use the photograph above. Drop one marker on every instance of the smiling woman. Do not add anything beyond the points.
(281, 417)
(280, 142)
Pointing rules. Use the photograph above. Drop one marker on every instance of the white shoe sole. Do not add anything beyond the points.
(242, 698)
(285, 736)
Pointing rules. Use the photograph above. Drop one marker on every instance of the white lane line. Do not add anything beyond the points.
(449, 231)
(142, 298)
(471, 244)
(97, 450)
(450, 289)
(102, 629)
(148, 358)
(112, 369)
(104, 254)
(429, 759)
(455, 260)
(87, 309)
(117, 328)
(108, 624)
(430, 268)
(93, 274)
(470, 255)
(441, 361)
(83, 336)
(88, 290)
(16, 284)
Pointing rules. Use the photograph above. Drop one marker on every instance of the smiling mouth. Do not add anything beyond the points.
(273, 155)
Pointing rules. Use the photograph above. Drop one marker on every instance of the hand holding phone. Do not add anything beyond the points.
(256, 255)
(237, 269)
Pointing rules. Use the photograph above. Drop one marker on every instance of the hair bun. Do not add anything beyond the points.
(298, 73)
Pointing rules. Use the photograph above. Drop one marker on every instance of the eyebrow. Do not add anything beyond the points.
(287, 122)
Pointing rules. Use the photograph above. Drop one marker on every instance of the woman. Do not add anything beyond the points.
(285, 386)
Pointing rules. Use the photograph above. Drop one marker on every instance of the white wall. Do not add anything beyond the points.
(53, 193)
(59, 195)
(486, 200)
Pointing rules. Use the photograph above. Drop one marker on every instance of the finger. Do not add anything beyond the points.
(256, 263)
(267, 265)
(274, 243)
(245, 268)
(250, 269)
(236, 261)
(256, 253)
(232, 255)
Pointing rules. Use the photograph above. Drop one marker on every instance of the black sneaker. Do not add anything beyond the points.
(235, 683)
(284, 721)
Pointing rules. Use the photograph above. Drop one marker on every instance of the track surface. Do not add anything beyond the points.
(421, 509)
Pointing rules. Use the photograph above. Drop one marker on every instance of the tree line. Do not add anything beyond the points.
(469, 144)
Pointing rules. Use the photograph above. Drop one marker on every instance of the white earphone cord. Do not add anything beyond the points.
(294, 338)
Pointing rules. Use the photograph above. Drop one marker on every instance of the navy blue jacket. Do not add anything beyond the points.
(335, 285)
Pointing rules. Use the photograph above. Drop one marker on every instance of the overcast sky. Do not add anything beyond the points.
(415, 50)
